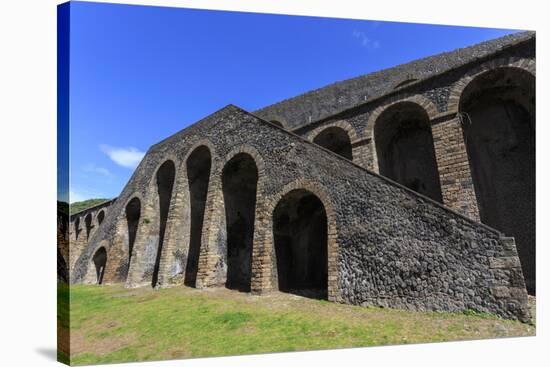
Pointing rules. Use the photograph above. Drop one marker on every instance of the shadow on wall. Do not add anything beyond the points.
(100, 260)
(405, 148)
(165, 182)
(198, 174)
(300, 235)
(336, 140)
(498, 109)
(239, 181)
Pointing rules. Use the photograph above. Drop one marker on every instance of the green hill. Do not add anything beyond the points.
(81, 205)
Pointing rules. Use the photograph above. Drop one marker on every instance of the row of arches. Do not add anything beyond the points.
(299, 226)
(497, 110)
(88, 225)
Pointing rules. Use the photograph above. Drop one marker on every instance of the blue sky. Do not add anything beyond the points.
(139, 74)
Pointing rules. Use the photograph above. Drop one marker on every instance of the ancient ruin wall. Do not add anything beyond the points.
(82, 226)
(387, 245)
(439, 96)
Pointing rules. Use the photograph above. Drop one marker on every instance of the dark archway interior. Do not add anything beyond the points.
(133, 213)
(498, 110)
(165, 183)
(239, 181)
(198, 175)
(300, 235)
(405, 149)
(77, 227)
(100, 217)
(335, 139)
(88, 223)
(100, 260)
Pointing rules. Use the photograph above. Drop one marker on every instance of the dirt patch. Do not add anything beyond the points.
(98, 346)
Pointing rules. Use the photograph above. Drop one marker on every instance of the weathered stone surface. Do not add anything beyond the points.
(332, 99)
(387, 245)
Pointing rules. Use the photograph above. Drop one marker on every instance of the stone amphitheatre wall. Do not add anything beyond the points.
(439, 98)
(385, 244)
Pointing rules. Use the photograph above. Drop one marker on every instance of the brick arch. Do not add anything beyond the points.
(138, 273)
(181, 241)
(214, 217)
(332, 232)
(250, 150)
(117, 248)
(356, 152)
(207, 143)
(73, 233)
(495, 129)
(525, 64)
(121, 220)
(417, 99)
(90, 275)
(165, 158)
(343, 124)
(89, 225)
(104, 210)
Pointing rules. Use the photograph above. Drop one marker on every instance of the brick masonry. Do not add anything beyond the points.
(457, 187)
(387, 246)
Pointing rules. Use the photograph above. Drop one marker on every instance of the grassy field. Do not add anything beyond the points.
(113, 324)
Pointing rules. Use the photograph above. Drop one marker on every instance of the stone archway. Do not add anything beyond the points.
(497, 108)
(100, 217)
(100, 261)
(165, 182)
(405, 148)
(335, 139)
(77, 228)
(133, 214)
(89, 225)
(300, 237)
(239, 186)
(198, 174)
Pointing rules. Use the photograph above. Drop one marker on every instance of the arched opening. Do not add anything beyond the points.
(133, 213)
(278, 123)
(300, 239)
(100, 260)
(88, 223)
(100, 217)
(198, 175)
(165, 182)
(77, 228)
(405, 148)
(498, 110)
(239, 181)
(335, 139)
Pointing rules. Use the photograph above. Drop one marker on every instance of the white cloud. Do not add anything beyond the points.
(92, 168)
(365, 40)
(125, 157)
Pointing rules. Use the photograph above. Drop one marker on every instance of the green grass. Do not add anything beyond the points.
(81, 205)
(112, 324)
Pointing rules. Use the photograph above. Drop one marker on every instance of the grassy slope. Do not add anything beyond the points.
(113, 324)
(81, 205)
